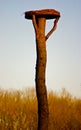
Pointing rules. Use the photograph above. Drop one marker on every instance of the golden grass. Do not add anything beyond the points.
(18, 111)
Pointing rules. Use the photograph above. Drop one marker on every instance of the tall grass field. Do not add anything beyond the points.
(18, 110)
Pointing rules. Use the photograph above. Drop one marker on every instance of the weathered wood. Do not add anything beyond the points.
(38, 18)
(41, 91)
(46, 13)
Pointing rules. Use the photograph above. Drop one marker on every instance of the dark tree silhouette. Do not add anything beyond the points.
(39, 21)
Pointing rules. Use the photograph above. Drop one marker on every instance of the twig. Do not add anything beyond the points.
(53, 29)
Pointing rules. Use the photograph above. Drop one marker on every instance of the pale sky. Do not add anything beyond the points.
(18, 50)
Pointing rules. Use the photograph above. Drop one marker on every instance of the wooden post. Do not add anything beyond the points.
(39, 21)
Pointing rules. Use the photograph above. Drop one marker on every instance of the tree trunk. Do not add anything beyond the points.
(41, 91)
(38, 18)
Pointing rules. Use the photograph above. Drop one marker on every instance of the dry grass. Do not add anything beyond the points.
(18, 111)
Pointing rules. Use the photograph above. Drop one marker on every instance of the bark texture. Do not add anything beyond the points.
(40, 76)
(38, 18)
(43, 111)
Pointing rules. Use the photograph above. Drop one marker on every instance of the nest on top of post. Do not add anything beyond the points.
(46, 13)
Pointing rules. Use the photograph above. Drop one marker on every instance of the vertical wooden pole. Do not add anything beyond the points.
(39, 21)
(40, 76)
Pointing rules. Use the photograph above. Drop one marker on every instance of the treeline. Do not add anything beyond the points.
(18, 110)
